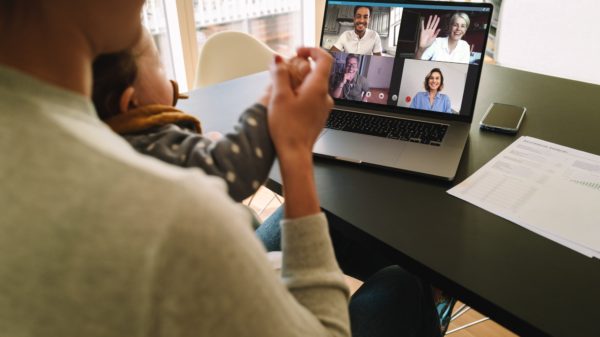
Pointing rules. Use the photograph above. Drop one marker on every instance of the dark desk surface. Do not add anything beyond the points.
(528, 283)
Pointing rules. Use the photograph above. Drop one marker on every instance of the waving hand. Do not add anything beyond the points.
(429, 32)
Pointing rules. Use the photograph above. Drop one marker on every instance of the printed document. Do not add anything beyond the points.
(547, 188)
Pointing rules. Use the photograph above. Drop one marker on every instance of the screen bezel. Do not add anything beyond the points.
(342, 103)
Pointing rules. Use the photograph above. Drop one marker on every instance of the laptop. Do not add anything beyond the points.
(400, 103)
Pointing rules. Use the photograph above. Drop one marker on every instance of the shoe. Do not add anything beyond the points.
(444, 305)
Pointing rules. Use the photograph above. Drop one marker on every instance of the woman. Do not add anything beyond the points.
(431, 99)
(448, 49)
(113, 243)
(132, 246)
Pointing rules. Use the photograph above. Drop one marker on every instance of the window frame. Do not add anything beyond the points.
(181, 30)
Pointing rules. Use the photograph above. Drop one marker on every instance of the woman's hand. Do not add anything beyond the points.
(296, 118)
(429, 32)
(299, 68)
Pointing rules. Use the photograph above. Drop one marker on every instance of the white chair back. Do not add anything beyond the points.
(228, 55)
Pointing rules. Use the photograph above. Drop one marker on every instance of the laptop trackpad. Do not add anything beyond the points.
(358, 148)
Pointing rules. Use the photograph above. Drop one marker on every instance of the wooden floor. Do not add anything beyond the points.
(265, 202)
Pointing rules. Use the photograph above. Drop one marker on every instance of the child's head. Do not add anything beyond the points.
(152, 86)
(113, 75)
(130, 79)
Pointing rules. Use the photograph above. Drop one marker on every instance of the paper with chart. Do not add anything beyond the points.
(550, 189)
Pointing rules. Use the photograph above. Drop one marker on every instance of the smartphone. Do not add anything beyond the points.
(503, 118)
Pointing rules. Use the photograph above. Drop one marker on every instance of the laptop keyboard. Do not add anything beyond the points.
(387, 127)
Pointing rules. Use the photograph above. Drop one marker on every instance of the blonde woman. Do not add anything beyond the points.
(448, 49)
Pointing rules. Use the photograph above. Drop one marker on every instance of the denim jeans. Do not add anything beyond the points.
(391, 301)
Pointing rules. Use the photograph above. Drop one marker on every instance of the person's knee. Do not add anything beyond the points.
(392, 284)
(391, 301)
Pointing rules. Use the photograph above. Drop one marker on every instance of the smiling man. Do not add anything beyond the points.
(361, 40)
(350, 84)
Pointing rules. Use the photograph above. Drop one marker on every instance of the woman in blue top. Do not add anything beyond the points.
(432, 99)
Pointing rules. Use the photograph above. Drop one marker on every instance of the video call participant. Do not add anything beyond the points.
(447, 49)
(431, 99)
(361, 40)
(350, 84)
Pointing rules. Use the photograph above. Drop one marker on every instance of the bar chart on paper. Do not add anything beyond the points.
(590, 184)
(586, 174)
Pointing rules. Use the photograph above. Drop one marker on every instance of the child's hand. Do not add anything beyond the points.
(298, 68)
(213, 135)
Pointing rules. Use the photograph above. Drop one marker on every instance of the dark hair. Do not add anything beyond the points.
(113, 73)
(7, 8)
(434, 70)
(351, 56)
(7, 5)
(367, 7)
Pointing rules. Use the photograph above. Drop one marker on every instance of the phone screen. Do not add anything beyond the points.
(503, 117)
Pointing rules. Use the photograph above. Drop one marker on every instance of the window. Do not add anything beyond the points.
(180, 27)
(277, 23)
(153, 18)
(395, 20)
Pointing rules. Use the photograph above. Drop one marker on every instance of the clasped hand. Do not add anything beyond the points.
(297, 115)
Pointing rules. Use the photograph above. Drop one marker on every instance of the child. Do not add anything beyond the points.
(133, 96)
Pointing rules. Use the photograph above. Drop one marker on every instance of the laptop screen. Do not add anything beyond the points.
(407, 56)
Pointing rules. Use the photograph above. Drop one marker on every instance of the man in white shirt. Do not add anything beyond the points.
(361, 40)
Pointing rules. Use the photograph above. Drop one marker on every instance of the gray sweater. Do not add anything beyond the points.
(98, 240)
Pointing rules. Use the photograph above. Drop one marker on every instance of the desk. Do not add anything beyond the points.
(523, 281)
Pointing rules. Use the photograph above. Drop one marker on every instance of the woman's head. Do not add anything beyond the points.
(459, 23)
(105, 26)
(434, 81)
(76, 31)
(111, 25)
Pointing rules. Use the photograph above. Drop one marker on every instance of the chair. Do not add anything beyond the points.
(229, 54)
(457, 313)
(550, 37)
